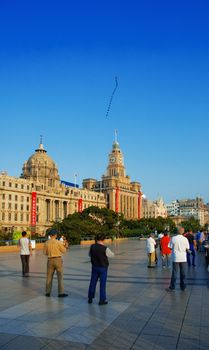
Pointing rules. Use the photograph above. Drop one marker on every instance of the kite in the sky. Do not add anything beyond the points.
(111, 98)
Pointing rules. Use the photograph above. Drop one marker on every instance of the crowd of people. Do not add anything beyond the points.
(176, 252)
(180, 250)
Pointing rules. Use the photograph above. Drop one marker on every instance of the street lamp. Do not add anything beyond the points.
(75, 180)
(118, 227)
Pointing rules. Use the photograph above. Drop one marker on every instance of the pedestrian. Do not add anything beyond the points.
(25, 252)
(198, 240)
(165, 250)
(179, 245)
(203, 238)
(151, 251)
(161, 234)
(61, 239)
(54, 250)
(99, 255)
(192, 248)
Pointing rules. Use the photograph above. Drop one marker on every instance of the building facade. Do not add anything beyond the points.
(186, 208)
(38, 198)
(173, 208)
(154, 209)
(122, 195)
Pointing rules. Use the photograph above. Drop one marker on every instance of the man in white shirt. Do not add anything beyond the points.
(179, 245)
(150, 248)
(25, 252)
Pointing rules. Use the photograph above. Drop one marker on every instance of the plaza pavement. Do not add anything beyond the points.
(140, 313)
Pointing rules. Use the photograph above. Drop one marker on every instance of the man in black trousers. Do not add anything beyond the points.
(99, 255)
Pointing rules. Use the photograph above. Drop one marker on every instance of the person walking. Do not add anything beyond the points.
(179, 245)
(54, 250)
(165, 250)
(99, 255)
(192, 248)
(151, 251)
(25, 252)
(198, 239)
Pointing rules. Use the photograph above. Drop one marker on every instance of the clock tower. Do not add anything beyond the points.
(116, 162)
(122, 195)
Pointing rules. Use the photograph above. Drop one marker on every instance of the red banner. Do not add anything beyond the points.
(80, 205)
(139, 205)
(117, 200)
(33, 209)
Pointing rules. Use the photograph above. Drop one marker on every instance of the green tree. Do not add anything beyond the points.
(191, 224)
(94, 220)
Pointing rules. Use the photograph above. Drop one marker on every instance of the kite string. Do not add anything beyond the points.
(111, 98)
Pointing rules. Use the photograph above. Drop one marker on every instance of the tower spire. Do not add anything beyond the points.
(41, 142)
(41, 146)
(116, 135)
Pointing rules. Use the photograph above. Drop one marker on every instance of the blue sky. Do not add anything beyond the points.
(58, 60)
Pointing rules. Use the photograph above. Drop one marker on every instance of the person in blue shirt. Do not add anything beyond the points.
(192, 248)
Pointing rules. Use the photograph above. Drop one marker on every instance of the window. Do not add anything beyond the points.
(10, 197)
(16, 197)
(15, 216)
(22, 207)
(28, 199)
(28, 187)
(21, 217)
(9, 216)
(22, 187)
(9, 205)
(27, 207)
(16, 185)
(10, 184)
(3, 196)
(3, 183)
(37, 208)
(3, 205)
(22, 199)
(27, 217)
(16, 206)
(37, 200)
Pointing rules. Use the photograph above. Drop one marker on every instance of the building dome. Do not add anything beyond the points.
(40, 167)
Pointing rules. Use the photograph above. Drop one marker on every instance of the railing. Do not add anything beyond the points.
(8, 242)
(11, 242)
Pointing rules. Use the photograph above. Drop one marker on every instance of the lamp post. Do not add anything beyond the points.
(75, 180)
(58, 221)
(118, 227)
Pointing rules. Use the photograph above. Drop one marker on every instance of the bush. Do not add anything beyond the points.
(73, 237)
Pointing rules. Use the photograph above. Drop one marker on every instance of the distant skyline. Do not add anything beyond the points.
(58, 62)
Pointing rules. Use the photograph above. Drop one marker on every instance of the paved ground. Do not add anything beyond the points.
(140, 314)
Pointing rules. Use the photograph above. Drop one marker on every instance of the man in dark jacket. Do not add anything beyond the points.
(192, 248)
(99, 255)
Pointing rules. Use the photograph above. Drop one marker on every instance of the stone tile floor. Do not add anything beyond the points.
(140, 314)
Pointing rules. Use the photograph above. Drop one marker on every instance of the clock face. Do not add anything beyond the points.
(112, 159)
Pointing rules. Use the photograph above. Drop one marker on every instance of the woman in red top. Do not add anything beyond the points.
(165, 250)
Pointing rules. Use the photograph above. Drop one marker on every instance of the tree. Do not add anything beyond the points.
(94, 220)
(191, 224)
